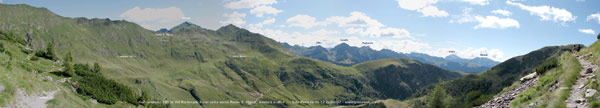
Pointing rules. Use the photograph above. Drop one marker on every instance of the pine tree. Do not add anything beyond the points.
(68, 67)
(437, 98)
(50, 51)
(68, 57)
(97, 67)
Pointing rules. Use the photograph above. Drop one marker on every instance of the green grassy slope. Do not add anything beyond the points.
(566, 73)
(19, 71)
(399, 78)
(195, 64)
(477, 89)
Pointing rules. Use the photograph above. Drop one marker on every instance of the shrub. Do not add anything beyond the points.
(35, 58)
(438, 98)
(2, 49)
(97, 67)
(48, 54)
(11, 37)
(549, 64)
(595, 104)
(68, 57)
(26, 51)
(102, 89)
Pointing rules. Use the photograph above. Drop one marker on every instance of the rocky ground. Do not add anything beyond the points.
(33, 100)
(503, 100)
(576, 99)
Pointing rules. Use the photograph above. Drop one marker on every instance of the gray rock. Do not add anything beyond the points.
(579, 100)
(2, 89)
(590, 92)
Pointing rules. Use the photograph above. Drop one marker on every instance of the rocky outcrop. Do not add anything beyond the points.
(504, 100)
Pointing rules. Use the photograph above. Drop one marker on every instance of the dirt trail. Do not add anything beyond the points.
(504, 100)
(576, 99)
(263, 94)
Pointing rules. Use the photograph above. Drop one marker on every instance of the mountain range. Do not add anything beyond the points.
(47, 60)
(346, 55)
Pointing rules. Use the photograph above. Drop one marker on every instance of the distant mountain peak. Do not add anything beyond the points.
(453, 56)
(318, 46)
(163, 30)
(342, 45)
(228, 27)
(186, 24)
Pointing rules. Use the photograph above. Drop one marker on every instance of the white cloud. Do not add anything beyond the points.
(154, 18)
(260, 10)
(364, 25)
(547, 13)
(415, 4)
(464, 17)
(248, 3)
(327, 37)
(502, 12)
(433, 11)
(423, 6)
(587, 31)
(477, 2)
(594, 16)
(0, 1)
(323, 32)
(234, 18)
(355, 19)
(259, 7)
(266, 22)
(495, 22)
(380, 32)
(485, 22)
(304, 21)
(404, 46)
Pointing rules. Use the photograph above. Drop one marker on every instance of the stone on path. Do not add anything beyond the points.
(2, 89)
(590, 92)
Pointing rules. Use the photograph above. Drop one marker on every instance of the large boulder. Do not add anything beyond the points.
(589, 70)
(529, 77)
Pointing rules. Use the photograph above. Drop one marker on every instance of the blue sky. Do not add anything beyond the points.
(500, 28)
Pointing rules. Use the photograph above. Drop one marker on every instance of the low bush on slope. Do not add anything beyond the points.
(566, 72)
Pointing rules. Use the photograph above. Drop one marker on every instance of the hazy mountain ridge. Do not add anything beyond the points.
(346, 55)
